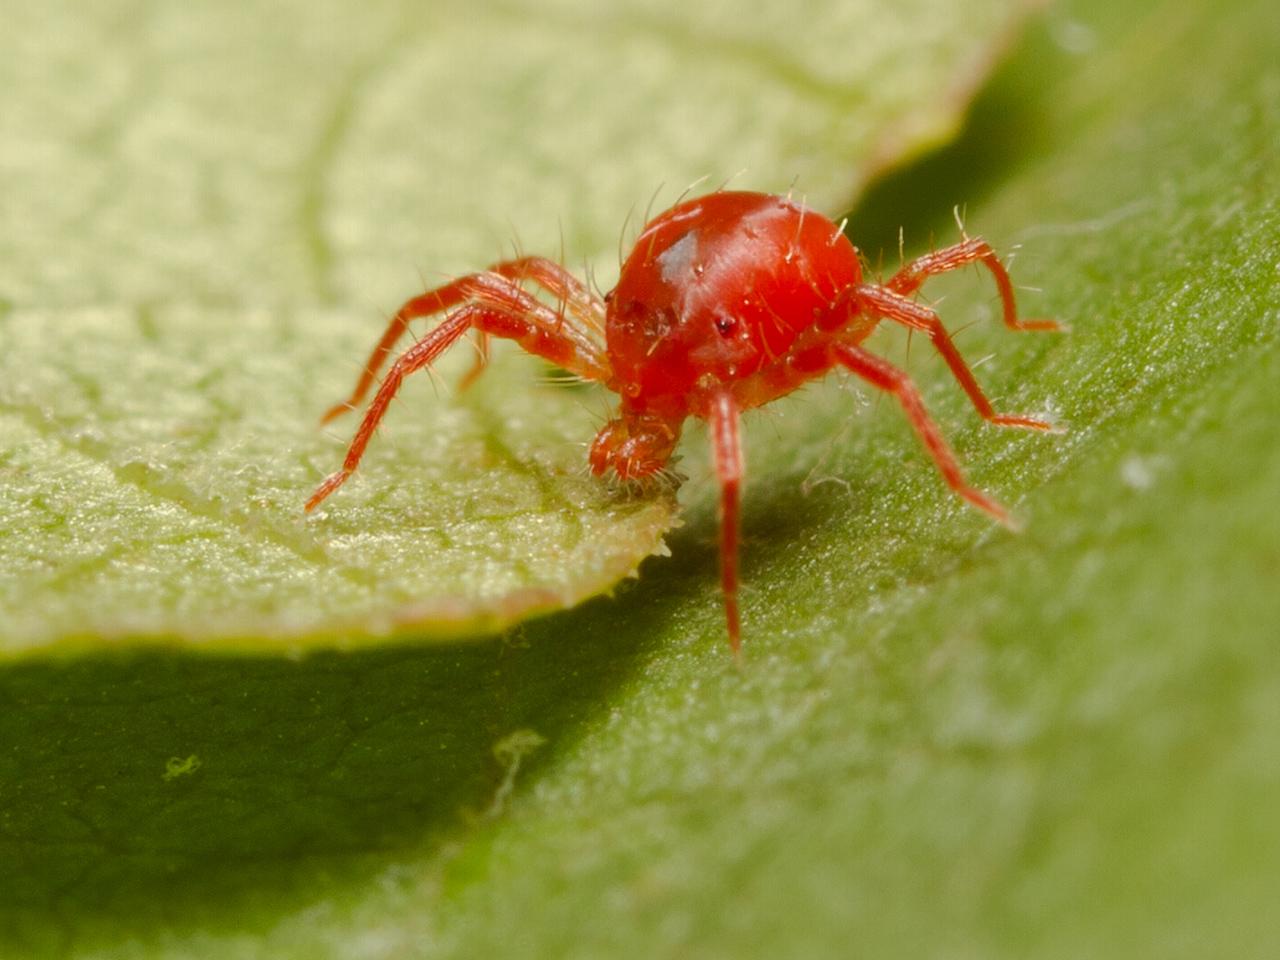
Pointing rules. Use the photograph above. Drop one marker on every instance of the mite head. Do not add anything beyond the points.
(666, 343)
(634, 446)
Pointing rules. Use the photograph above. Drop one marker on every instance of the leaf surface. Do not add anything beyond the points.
(209, 211)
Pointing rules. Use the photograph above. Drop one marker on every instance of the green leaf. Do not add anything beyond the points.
(167, 503)
(944, 740)
(202, 205)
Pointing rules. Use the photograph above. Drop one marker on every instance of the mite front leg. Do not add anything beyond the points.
(970, 250)
(572, 295)
(727, 447)
(886, 303)
(498, 287)
(481, 361)
(532, 331)
(561, 284)
(423, 305)
(884, 375)
(414, 359)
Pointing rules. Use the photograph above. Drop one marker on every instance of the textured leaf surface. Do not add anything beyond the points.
(208, 210)
(945, 740)
(156, 476)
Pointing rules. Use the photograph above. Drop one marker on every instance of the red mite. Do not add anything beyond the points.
(727, 302)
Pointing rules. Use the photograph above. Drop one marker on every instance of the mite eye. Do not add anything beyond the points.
(725, 326)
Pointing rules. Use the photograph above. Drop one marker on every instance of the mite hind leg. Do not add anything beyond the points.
(885, 376)
(887, 303)
(912, 276)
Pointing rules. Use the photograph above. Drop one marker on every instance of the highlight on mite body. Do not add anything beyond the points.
(725, 302)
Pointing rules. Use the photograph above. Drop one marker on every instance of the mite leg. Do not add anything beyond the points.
(498, 287)
(412, 360)
(728, 455)
(970, 250)
(561, 284)
(886, 303)
(482, 361)
(531, 332)
(884, 375)
(423, 305)
(569, 291)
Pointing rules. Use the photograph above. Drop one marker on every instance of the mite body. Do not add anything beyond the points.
(726, 302)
